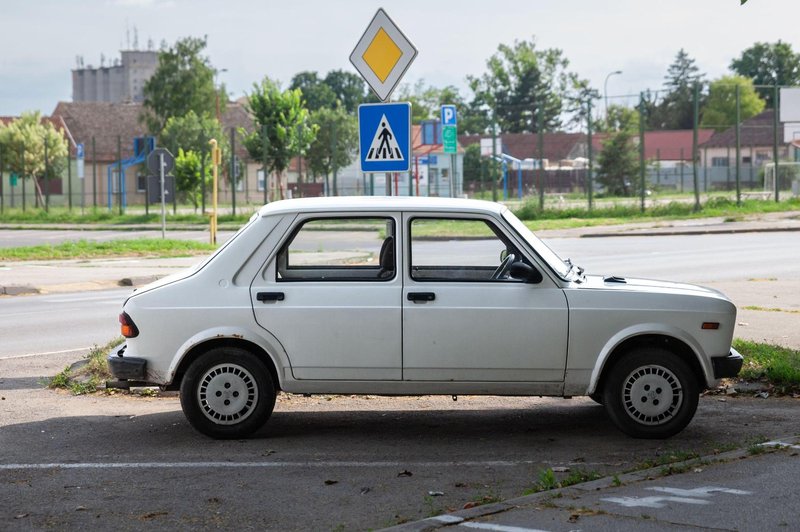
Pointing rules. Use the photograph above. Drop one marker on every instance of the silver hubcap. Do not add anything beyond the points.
(227, 394)
(652, 395)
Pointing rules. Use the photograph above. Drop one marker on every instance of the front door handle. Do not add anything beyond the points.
(270, 296)
(421, 296)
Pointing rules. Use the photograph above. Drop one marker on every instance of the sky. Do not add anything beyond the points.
(250, 39)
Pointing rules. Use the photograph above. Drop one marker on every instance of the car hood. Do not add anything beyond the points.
(612, 282)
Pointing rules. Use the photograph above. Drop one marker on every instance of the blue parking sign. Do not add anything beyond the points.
(449, 115)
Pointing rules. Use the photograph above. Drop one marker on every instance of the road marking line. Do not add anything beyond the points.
(498, 528)
(699, 492)
(779, 445)
(652, 502)
(254, 465)
(27, 355)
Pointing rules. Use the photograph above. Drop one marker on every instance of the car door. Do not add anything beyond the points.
(331, 296)
(463, 320)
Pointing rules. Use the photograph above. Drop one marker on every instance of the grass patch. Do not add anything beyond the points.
(766, 309)
(778, 365)
(668, 458)
(82, 249)
(620, 213)
(548, 480)
(62, 215)
(85, 377)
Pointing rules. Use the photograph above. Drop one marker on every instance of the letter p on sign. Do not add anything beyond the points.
(449, 115)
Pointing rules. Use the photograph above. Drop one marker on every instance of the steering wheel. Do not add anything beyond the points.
(504, 267)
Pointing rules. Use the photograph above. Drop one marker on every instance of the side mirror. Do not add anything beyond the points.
(525, 272)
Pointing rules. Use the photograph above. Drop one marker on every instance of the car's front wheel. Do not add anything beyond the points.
(227, 393)
(651, 393)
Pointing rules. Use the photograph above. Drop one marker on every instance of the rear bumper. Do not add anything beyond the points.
(126, 368)
(728, 366)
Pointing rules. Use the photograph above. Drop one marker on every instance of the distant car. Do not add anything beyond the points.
(412, 296)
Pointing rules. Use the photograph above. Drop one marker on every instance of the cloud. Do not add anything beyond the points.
(142, 3)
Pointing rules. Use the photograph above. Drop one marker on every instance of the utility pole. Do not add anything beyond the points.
(776, 96)
(738, 146)
(589, 176)
(540, 140)
(641, 149)
(493, 177)
(694, 146)
(264, 151)
(233, 170)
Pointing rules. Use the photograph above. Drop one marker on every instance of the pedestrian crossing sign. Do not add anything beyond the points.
(384, 137)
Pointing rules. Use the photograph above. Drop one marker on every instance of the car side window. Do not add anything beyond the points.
(458, 249)
(339, 249)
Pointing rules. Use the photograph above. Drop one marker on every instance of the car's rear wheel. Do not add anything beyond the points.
(651, 393)
(227, 393)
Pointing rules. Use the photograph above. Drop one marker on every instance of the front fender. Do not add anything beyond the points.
(268, 343)
(643, 329)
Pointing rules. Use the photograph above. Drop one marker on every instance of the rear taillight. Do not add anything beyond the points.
(127, 327)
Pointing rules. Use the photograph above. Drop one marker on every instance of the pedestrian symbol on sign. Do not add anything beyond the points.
(384, 146)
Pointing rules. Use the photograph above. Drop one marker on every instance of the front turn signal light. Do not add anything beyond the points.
(127, 328)
(710, 326)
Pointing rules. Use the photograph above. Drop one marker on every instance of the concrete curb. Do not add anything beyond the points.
(18, 290)
(78, 287)
(695, 232)
(455, 518)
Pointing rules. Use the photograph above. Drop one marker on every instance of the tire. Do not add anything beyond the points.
(651, 393)
(596, 397)
(227, 393)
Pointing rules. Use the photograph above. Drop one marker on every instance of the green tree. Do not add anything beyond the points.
(183, 82)
(349, 88)
(618, 162)
(720, 108)
(191, 133)
(189, 175)
(335, 144)
(676, 109)
(617, 118)
(472, 163)
(316, 93)
(769, 64)
(521, 81)
(31, 133)
(288, 129)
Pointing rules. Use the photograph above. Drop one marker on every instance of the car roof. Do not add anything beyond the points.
(380, 203)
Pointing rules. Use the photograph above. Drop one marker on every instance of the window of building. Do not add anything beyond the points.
(719, 161)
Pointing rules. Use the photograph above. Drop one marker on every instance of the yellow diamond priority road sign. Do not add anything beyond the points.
(382, 55)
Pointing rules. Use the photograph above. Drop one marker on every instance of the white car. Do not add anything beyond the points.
(412, 296)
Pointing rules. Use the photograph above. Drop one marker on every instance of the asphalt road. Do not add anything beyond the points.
(335, 462)
(47, 323)
(59, 322)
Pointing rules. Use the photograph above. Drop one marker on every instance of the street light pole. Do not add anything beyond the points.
(605, 88)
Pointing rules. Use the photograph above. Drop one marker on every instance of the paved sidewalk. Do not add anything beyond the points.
(738, 490)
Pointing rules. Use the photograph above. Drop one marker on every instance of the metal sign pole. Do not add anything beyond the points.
(163, 198)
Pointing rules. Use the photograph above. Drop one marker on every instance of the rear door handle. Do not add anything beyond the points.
(421, 296)
(270, 296)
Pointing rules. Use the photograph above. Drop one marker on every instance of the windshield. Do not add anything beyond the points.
(549, 256)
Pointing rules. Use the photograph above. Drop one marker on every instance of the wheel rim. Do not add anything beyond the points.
(227, 394)
(652, 395)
